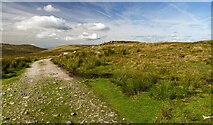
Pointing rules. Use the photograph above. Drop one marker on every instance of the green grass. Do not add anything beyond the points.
(14, 66)
(187, 111)
(137, 68)
(143, 109)
(15, 58)
(137, 110)
(154, 73)
(9, 80)
(18, 50)
(144, 82)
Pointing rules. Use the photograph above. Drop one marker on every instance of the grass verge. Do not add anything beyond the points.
(141, 109)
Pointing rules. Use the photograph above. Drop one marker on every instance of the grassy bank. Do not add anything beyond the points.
(139, 67)
(15, 58)
(18, 50)
(14, 66)
(135, 109)
(143, 109)
(172, 73)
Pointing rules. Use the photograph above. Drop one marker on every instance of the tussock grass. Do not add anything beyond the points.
(168, 72)
(182, 68)
(133, 82)
(13, 66)
(15, 58)
(135, 76)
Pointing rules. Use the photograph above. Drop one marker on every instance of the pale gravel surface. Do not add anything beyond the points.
(47, 85)
(45, 68)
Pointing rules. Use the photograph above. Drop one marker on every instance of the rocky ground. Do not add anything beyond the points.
(47, 94)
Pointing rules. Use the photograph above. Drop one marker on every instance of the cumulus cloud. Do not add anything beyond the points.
(48, 22)
(49, 8)
(47, 34)
(69, 38)
(56, 28)
(88, 36)
(93, 26)
(84, 35)
(39, 8)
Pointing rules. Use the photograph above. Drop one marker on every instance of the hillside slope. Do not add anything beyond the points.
(162, 80)
(17, 50)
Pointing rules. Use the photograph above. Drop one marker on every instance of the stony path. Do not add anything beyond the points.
(46, 94)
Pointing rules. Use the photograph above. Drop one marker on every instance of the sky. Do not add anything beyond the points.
(49, 24)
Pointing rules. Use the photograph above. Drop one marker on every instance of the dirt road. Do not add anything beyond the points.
(47, 94)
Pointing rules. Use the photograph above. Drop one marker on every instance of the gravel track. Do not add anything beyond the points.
(47, 94)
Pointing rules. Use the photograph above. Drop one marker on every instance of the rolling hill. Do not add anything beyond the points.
(18, 50)
(162, 80)
(170, 82)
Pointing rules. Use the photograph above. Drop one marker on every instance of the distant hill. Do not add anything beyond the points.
(136, 42)
(114, 42)
(60, 49)
(18, 50)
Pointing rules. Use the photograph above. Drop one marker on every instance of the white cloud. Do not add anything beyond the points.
(84, 35)
(93, 26)
(39, 8)
(18, 18)
(88, 36)
(47, 34)
(49, 8)
(49, 22)
(70, 38)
